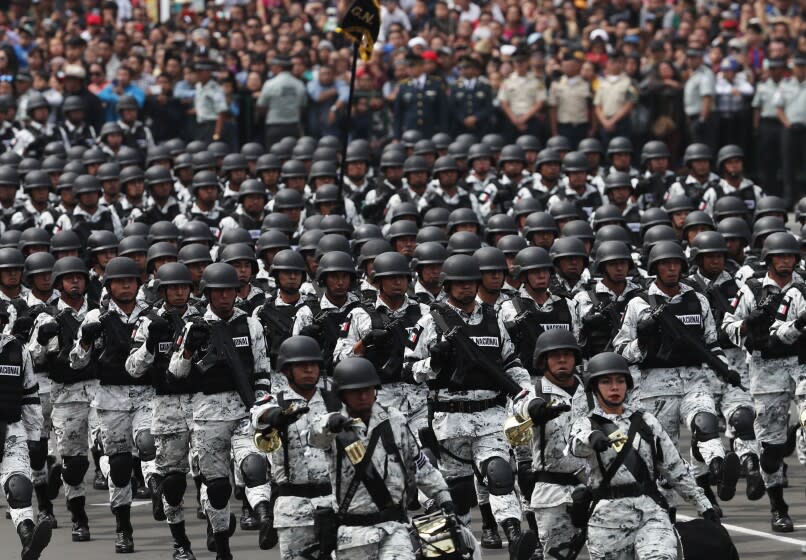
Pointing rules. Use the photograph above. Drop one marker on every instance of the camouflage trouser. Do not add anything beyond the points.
(16, 462)
(478, 450)
(119, 431)
(631, 528)
(774, 384)
(386, 541)
(556, 530)
(212, 441)
(40, 475)
(296, 540)
(71, 426)
(409, 399)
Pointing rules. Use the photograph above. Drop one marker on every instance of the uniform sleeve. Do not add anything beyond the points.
(178, 366)
(741, 306)
(512, 363)
(140, 359)
(626, 340)
(710, 334)
(38, 352)
(303, 319)
(79, 358)
(360, 325)
(261, 407)
(32, 418)
(708, 199)
(319, 435)
(417, 353)
(579, 441)
(784, 327)
(260, 355)
(428, 478)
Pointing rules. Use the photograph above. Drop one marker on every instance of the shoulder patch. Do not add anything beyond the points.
(414, 336)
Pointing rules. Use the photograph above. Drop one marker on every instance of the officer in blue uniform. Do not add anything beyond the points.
(421, 103)
(471, 99)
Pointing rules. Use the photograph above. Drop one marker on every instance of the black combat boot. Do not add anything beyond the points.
(81, 526)
(728, 476)
(34, 538)
(704, 482)
(755, 485)
(157, 508)
(489, 528)
(211, 535)
(780, 522)
(249, 521)
(222, 551)
(124, 541)
(45, 505)
(521, 545)
(267, 539)
(182, 549)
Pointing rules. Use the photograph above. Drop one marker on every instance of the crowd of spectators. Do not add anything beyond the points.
(678, 71)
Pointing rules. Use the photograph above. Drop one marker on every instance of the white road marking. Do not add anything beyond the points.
(135, 504)
(754, 533)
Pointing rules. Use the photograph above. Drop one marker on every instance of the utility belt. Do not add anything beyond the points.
(624, 491)
(394, 513)
(309, 490)
(467, 407)
(564, 479)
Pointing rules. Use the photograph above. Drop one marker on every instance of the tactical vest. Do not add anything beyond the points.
(278, 323)
(435, 200)
(374, 212)
(136, 137)
(249, 224)
(36, 148)
(331, 322)
(536, 324)
(388, 360)
(774, 348)
(83, 228)
(12, 379)
(212, 223)
(746, 194)
(29, 220)
(689, 312)
(694, 191)
(157, 373)
(154, 215)
(117, 337)
(219, 379)
(83, 135)
(719, 300)
(599, 340)
(58, 364)
(653, 189)
(487, 338)
(249, 305)
(588, 202)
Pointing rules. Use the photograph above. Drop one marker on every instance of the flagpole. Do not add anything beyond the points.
(348, 118)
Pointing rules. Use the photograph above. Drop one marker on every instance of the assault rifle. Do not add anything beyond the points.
(221, 352)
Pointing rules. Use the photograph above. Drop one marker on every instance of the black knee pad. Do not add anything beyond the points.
(75, 467)
(498, 476)
(704, 426)
(120, 468)
(742, 423)
(146, 446)
(255, 470)
(218, 492)
(526, 479)
(19, 490)
(173, 488)
(38, 454)
(463, 494)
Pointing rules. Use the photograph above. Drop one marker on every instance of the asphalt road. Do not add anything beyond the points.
(748, 523)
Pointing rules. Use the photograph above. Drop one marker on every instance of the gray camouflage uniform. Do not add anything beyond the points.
(388, 540)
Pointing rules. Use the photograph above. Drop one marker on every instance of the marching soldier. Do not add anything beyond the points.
(88, 216)
(427, 263)
(301, 471)
(228, 348)
(135, 134)
(467, 398)
(370, 506)
(74, 129)
(172, 404)
(673, 382)
(730, 164)
(123, 402)
(445, 192)
(577, 189)
(549, 479)
(30, 141)
(72, 391)
(774, 381)
(656, 179)
(20, 421)
(626, 450)
(699, 179)
(493, 267)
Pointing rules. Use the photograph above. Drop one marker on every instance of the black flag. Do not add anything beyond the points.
(362, 23)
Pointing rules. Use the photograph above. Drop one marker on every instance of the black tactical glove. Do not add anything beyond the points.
(375, 337)
(441, 355)
(314, 330)
(800, 322)
(710, 515)
(647, 332)
(337, 422)
(732, 377)
(46, 332)
(90, 332)
(598, 441)
(22, 328)
(756, 317)
(593, 321)
(197, 335)
(448, 507)
(159, 330)
(283, 417)
(541, 412)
